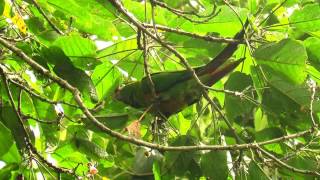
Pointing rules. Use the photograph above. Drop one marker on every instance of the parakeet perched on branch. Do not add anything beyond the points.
(178, 89)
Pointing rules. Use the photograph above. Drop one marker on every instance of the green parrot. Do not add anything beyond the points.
(178, 89)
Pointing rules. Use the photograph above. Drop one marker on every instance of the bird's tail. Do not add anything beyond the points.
(225, 54)
(221, 71)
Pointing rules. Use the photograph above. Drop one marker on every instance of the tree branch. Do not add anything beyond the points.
(132, 140)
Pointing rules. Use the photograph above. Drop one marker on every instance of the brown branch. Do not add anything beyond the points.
(194, 35)
(132, 140)
(184, 14)
(32, 93)
(313, 86)
(138, 24)
(285, 165)
(26, 135)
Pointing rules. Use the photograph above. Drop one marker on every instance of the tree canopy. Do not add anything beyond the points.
(62, 62)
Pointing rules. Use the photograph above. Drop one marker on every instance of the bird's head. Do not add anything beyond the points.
(125, 93)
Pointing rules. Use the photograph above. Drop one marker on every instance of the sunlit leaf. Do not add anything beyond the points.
(287, 57)
(307, 18)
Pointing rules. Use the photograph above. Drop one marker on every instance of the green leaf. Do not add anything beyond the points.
(283, 111)
(67, 71)
(66, 156)
(312, 45)
(88, 16)
(113, 121)
(5, 172)
(156, 170)
(54, 55)
(2, 4)
(126, 56)
(106, 79)
(301, 162)
(260, 120)
(180, 161)
(12, 156)
(77, 78)
(295, 97)
(89, 148)
(306, 19)
(287, 57)
(10, 120)
(6, 139)
(271, 133)
(81, 51)
(35, 25)
(214, 164)
(235, 105)
(256, 172)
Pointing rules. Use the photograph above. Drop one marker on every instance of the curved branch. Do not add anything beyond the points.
(132, 140)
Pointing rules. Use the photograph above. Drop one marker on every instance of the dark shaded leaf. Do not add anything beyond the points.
(67, 71)
(235, 105)
(256, 172)
(6, 139)
(214, 164)
(9, 119)
(179, 162)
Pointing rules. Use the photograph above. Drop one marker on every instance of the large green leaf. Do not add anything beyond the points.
(306, 19)
(106, 79)
(67, 71)
(81, 51)
(214, 164)
(88, 16)
(179, 162)
(299, 94)
(301, 162)
(12, 156)
(66, 156)
(287, 57)
(126, 56)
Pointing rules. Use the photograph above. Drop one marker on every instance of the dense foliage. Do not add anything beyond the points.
(62, 60)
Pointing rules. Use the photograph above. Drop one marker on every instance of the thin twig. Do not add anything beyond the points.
(84, 109)
(32, 93)
(184, 14)
(53, 26)
(26, 135)
(137, 23)
(194, 35)
(285, 165)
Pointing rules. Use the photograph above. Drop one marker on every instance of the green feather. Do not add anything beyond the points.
(176, 90)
